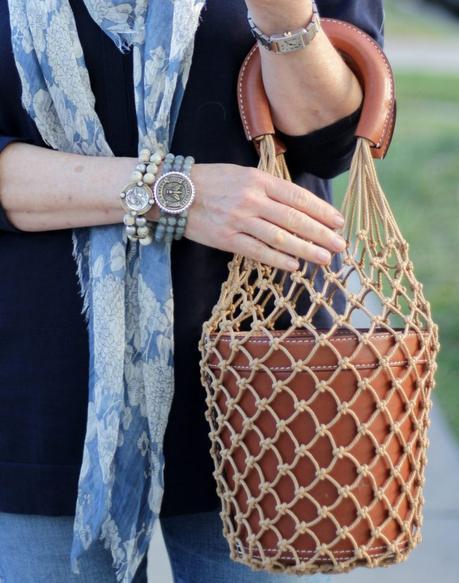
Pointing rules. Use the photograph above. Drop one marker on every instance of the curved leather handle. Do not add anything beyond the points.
(368, 62)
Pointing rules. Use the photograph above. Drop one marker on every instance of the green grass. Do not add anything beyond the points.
(439, 88)
(407, 19)
(421, 179)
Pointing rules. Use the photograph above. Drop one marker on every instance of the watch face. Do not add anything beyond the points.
(137, 198)
(174, 192)
(289, 43)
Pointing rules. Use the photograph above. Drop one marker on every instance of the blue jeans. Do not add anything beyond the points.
(36, 549)
(200, 554)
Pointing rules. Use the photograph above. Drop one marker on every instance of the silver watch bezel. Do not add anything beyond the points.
(158, 184)
(148, 204)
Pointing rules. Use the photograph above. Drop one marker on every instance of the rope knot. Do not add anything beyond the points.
(281, 425)
(303, 528)
(321, 430)
(344, 362)
(301, 406)
(343, 408)
(321, 474)
(262, 404)
(363, 470)
(250, 461)
(344, 491)
(266, 442)
(363, 512)
(301, 449)
(283, 469)
(362, 429)
(342, 532)
(321, 386)
(363, 384)
(323, 512)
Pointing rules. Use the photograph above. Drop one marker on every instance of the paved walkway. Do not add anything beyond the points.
(419, 55)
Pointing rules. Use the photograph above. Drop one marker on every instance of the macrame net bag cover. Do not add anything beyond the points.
(318, 382)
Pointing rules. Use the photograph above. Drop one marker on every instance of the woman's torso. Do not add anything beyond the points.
(43, 338)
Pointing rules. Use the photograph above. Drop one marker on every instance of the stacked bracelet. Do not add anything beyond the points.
(174, 193)
(137, 197)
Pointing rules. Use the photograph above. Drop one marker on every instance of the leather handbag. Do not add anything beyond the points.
(319, 382)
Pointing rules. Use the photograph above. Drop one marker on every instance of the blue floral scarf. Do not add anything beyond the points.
(126, 289)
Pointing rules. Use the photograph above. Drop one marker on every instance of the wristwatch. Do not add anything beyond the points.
(290, 41)
(174, 193)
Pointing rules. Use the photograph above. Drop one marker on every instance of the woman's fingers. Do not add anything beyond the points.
(304, 201)
(298, 222)
(286, 242)
(255, 249)
(249, 212)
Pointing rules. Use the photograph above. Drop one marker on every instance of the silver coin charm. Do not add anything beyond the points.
(137, 198)
(174, 192)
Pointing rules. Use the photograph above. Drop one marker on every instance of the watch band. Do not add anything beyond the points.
(290, 41)
(174, 193)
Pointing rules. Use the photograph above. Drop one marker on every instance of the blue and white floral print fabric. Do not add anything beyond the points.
(127, 290)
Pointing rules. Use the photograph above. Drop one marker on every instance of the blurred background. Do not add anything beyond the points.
(421, 179)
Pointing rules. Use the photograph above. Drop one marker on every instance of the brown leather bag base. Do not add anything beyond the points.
(318, 433)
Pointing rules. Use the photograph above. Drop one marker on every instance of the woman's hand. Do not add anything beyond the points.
(249, 212)
(237, 209)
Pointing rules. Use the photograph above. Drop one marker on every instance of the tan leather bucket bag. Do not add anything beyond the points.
(319, 431)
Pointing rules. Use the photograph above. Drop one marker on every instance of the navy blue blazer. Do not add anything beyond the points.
(43, 338)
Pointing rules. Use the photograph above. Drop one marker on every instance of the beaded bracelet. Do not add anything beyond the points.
(137, 197)
(174, 192)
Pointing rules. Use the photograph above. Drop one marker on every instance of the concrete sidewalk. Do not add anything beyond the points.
(423, 56)
(436, 559)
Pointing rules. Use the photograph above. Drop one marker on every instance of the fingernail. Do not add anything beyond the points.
(323, 256)
(293, 265)
(338, 243)
(338, 220)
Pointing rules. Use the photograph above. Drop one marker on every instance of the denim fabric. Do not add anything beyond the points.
(199, 554)
(36, 549)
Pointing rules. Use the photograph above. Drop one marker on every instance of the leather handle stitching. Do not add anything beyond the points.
(241, 98)
(390, 113)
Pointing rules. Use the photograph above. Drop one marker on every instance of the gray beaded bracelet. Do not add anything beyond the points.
(174, 193)
(137, 197)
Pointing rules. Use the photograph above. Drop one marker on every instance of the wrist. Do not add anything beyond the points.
(274, 17)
